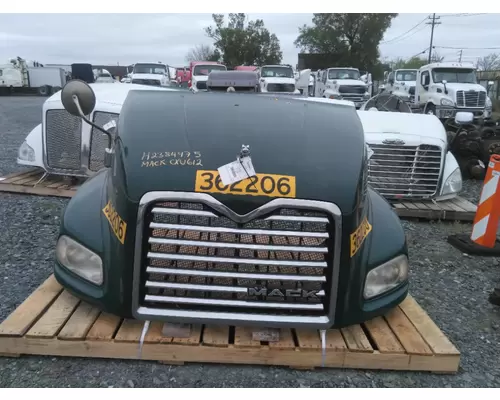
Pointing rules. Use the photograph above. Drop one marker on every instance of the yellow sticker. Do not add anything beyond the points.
(258, 185)
(118, 225)
(359, 235)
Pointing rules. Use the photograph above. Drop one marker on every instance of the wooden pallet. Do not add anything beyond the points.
(457, 209)
(31, 182)
(52, 322)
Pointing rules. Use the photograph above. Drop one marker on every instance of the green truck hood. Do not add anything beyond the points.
(322, 145)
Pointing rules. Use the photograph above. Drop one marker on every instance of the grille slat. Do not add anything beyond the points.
(63, 140)
(281, 87)
(99, 141)
(397, 171)
(198, 259)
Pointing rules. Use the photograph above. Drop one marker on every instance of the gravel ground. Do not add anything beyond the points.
(452, 287)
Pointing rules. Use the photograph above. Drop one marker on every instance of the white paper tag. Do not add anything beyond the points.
(234, 171)
(369, 151)
(109, 125)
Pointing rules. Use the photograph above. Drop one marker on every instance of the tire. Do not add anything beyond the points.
(44, 91)
(430, 109)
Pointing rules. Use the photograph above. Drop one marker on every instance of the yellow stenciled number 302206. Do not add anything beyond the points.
(118, 225)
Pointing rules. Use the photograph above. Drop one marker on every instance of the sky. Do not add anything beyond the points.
(124, 39)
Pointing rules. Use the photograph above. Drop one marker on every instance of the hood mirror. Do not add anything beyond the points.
(79, 100)
(464, 118)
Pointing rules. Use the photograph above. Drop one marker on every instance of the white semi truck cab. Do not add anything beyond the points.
(443, 89)
(277, 78)
(151, 73)
(344, 84)
(401, 82)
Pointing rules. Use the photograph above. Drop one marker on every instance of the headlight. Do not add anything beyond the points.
(454, 182)
(488, 102)
(367, 95)
(447, 102)
(26, 152)
(79, 259)
(386, 276)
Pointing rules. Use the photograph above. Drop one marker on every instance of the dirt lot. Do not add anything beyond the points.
(451, 287)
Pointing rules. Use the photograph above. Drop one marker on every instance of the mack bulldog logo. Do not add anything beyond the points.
(265, 292)
(394, 141)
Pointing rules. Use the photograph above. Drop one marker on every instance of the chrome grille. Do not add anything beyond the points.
(471, 98)
(63, 140)
(349, 89)
(398, 171)
(99, 141)
(352, 97)
(201, 85)
(199, 260)
(148, 82)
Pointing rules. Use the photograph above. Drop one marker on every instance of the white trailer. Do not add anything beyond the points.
(18, 77)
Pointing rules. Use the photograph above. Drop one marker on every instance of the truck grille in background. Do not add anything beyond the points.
(471, 98)
(199, 260)
(411, 91)
(201, 85)
(398, 171)
(280, 87)
(99, 141)
(351, 89)
(63, 140)
(149, 82)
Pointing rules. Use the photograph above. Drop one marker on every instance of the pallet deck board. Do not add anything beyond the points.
(457, 209)
(52, 322)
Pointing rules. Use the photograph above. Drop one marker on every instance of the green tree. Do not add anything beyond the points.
(354, 37)
(241, 43)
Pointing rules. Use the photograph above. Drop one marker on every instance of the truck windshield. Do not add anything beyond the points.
(157, 69)
(277, 72)
(206, 69)
(454, 75)
(406, 76)
(343, 74)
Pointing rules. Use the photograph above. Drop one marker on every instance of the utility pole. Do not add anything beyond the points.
(432, 23)
(460, 57)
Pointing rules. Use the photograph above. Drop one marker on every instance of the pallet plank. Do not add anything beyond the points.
(356, 339)
(308, 339)
(193, 339)
(104, 327)
(429, 331)
(243, 337)
(216, 335)
(465, 204)
(14, 178)
(130, 331)
(55, 317)
(26, 182)
(24, 316)
(155, 334)
(406, 333)
(286, 340)
(383, 336)
(79, 323)
(456, 209)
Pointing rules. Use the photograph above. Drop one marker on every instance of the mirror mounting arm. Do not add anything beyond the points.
(82, 115)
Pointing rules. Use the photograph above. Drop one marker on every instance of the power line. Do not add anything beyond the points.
(432, 23)
(463, 15)
(408, 31)
(466, 48)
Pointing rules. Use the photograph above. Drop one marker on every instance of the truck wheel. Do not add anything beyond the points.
(430, 109)
(43, 90)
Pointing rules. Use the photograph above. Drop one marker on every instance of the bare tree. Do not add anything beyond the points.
(491, 62)
(201, 52)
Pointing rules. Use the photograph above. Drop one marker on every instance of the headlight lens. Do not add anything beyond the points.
(488, 102)
(367, 95)
(454, 183)
(79, 259)
(447, 102)
(386, 276)
(26, 152)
